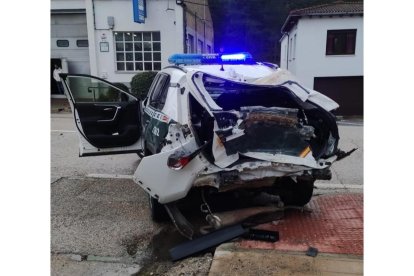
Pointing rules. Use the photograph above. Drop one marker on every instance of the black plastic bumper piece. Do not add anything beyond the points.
(262, 235)
(342, 154)
(312, 251)
(207, 241)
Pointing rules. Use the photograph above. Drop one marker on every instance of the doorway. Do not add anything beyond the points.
(53, 86)
(348, 92)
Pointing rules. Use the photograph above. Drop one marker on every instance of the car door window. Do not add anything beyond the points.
(159, 93)
(87, 89)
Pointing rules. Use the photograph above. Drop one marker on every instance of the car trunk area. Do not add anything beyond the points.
(265, 119)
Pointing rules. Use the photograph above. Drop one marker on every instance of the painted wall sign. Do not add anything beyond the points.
(139, 10)
(104, 46)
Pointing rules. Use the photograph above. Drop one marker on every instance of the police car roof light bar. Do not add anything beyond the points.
(198, 59)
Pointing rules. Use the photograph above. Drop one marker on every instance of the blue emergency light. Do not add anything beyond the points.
(194, 59)
(235, 57)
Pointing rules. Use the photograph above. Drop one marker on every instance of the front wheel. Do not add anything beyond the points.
(296, 193)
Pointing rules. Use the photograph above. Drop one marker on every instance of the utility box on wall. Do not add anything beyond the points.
(111, 22)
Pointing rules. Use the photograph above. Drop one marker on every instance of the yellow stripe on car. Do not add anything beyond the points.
(305, 152)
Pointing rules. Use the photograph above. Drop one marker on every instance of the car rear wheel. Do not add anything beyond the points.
(297, 193)
(158, 212)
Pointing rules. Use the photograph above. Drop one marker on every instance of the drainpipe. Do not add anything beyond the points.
(287, 51)
(91, 38)
(185, 27)
(93, 14)
(196, 34)
(204, 44)
(204, 25)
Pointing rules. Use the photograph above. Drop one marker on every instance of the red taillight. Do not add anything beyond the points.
(180, 159)
(177, 163)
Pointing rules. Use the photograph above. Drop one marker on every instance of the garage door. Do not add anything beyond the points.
(348, 92)
(69, 39)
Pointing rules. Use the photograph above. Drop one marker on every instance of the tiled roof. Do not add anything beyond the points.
(336, 8)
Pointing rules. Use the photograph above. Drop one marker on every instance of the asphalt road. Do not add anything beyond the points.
(100, 215)
(100, 220)
(65, 161)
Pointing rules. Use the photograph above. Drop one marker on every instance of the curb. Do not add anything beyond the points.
(230, 259)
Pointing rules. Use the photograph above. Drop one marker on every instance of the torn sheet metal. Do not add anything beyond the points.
(271, 172)
(167, 185)
(308, 161)
(222, 160)
(247, 174)
(276, 78)
(162, 183)
(286, 79)
(297, 89)
(242, 72)
(271, 130)
(322, 100)
(255, 165)
(196, 87)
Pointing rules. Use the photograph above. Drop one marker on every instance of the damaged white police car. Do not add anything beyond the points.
(212, 122)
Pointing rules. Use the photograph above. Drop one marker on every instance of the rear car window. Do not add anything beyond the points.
(231, 95)
(159, 93)
(217, 86)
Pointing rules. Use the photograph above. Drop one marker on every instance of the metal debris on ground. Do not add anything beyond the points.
(312, 251)
(207, 241)
(220, 236)
(262, 235)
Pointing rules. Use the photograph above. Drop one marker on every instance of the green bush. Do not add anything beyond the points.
(141, 83)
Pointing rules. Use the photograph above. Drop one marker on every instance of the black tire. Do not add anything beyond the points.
(158, 212)
(296, 193)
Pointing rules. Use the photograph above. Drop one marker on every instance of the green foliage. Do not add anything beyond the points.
(141, 83)
(121, 86)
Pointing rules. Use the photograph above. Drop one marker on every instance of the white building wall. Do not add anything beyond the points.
(65, 4)
(168, 22)
(310, 58)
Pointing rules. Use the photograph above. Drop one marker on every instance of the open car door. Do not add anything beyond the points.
(106, 116)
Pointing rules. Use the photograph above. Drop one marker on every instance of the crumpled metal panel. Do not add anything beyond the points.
(268, 130)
